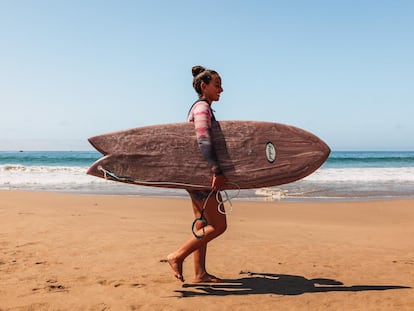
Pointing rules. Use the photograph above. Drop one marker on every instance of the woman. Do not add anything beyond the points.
(207, 84)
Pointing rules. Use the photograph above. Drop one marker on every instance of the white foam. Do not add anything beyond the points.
(69, 178)
(401, 174)
(20, 175)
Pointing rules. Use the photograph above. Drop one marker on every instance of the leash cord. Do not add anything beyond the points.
(202, 219)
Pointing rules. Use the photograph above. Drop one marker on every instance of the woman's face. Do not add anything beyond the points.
(212, 91)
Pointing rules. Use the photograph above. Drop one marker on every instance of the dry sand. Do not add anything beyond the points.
(85, 252)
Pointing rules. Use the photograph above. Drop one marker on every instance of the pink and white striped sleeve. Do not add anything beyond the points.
(201, 116)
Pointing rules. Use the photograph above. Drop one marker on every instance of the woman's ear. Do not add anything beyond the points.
(203, 85)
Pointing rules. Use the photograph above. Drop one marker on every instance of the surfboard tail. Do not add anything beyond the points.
(95, 141)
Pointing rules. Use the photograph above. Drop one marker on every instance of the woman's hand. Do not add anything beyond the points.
(218, 182)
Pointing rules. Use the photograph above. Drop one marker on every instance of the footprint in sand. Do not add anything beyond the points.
(52, 286)
(120, 283)
(40, 262)
(27, 244)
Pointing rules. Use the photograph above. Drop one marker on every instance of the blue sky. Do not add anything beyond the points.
(343, 70)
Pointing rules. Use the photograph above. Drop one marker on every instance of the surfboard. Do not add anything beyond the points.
(252, 154)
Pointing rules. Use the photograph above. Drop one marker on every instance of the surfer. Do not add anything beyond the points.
(212, 223)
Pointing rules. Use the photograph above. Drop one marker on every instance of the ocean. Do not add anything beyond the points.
(346, 175)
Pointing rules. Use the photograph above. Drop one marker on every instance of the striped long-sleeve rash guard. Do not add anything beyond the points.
(202, 117)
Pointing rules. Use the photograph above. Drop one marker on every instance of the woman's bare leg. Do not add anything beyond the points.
(216, 225)
(200, 253)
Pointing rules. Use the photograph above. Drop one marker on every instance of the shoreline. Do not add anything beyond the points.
(345, 176)
(94, 252)
(246, 198)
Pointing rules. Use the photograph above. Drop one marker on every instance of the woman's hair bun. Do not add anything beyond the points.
(196, 70)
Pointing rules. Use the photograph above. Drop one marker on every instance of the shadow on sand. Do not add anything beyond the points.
(276, 284)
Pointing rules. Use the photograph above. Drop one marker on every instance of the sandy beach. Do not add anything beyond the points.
(96, 252)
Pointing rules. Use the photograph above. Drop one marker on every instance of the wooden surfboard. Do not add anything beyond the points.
(252, 155)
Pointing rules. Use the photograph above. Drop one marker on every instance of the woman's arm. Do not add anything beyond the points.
(201, 116)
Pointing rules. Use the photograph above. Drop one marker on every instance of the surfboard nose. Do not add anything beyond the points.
(322, 152)
(325, 150)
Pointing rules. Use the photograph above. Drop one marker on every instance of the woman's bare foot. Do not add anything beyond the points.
(176, 266)
(207, 278)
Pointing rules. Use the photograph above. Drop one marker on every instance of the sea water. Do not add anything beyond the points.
(359, 175)
(63, 171)
(345, 175)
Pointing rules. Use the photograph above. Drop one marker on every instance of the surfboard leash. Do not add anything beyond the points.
(201, 219)
(220, 208)
(220, 202)
(144, 183)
